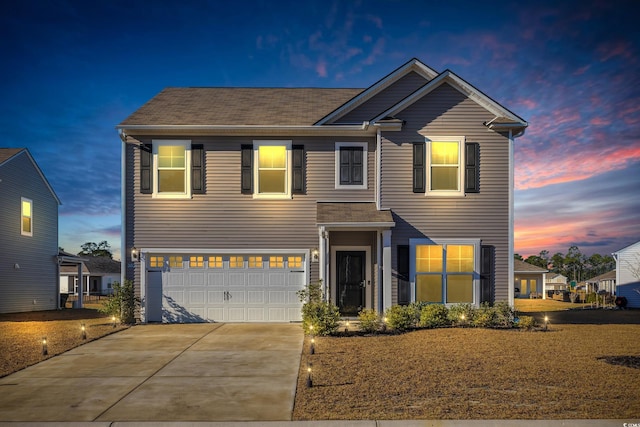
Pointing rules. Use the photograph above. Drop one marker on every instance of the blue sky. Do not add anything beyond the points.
(72, 70)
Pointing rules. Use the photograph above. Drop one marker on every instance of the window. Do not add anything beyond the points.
(26, 226)
(273, 169)
(215, 262)
(276, 262)
(444, 272)
(236, 262)
(445, 160)
(175, 262)
(255, 262)
(196, 261)
(156, 261)
(351, 165)
(295, 262)
(172, 169)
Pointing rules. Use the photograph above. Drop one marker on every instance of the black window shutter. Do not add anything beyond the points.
(356, 165)
(246, 169)
(404, 291)
(298, 172)
(418, 167)
(146, 165)
(472, 168)
(487, 263)
(197, 169)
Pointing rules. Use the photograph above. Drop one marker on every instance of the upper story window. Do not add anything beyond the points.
(272, 169)
(172, 172)
(445, 157)
(26, 226)
(351, 165)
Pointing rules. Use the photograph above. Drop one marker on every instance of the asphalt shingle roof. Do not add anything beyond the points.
(329, 213)
(239, 106)
(525, 267)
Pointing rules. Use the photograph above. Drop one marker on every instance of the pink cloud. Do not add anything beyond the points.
(321, 68)
(599, 121)
(613, 49)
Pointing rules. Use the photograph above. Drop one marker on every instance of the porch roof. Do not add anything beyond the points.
(353, 214)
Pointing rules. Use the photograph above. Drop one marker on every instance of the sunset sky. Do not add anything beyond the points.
(72, 70)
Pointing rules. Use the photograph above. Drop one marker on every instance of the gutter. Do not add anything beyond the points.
(356, 129)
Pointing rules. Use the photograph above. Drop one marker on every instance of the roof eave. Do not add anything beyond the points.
(358, 130)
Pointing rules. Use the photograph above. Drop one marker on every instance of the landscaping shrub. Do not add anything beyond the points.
(461, 314)
(527, 323)
(434, 316)
(400, 317)
(416, 310)
(123, 303)
(370, 321)
(485, 316)
(322, 315)
(505, 315)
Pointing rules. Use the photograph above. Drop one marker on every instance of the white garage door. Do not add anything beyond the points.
(232, 288)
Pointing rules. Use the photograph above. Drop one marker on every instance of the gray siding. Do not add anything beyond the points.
(484, 215)
(385, 99)
(34, 286)
(223, 218)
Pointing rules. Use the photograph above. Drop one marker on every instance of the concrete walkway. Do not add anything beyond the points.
(191, 372)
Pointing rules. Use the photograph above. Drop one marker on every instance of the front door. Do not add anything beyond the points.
(351, 281)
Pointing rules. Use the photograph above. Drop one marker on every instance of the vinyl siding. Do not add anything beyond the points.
(628, 264)
(384, 100)
(484, 215)
(223, 218)
(34, 286)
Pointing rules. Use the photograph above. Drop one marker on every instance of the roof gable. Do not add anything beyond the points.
(525, 267)
(414, 65)
(626, 248)
(9, 154)
(504, 118)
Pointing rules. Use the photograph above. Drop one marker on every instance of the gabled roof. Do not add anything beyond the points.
(504, 118)
(626, 248)
(231, 106)
(609, 275)
(414, 65)
(525, 267)
(95, 266)
(9, 154)
(363, 214)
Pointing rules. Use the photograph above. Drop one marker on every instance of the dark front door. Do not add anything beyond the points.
(351, 281)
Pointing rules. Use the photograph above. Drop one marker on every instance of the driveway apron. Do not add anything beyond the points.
(190, 372)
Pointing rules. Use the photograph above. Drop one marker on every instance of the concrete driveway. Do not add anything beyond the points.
(189, 372)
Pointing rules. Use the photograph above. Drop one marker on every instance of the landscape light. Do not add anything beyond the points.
(546, 322)
(309, 379)
(113, 319)
(44, 346)
(84, 331)
(346, 326)
(312, 350)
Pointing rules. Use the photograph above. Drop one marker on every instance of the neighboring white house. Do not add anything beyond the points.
(529, 280)
(555, 282)
(98, 276)
(628, 274)
(604, 282)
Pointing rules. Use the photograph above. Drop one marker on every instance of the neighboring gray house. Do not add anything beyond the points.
(98, 276)
(605, 282)
(628, 274)
(529, 280)
(236, 198)
(28, 235)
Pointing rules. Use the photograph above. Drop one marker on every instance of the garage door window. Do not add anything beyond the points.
(175, 261)
(156, 261)
(196, 262)
(215, 262)
(295, 262)
(255, 262)
(236, 262)
(276, 262)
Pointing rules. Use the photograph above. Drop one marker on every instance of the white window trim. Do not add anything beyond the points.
(461, 162)
(256, 175)
(476, 263)
(22, 232)
(156, 143)
(365, 165)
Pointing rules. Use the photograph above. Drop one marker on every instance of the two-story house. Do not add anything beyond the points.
(28, 235)
(236, 198)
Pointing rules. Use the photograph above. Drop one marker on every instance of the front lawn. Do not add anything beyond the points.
(467, 373)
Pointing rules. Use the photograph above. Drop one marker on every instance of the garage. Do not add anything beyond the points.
(257, 287)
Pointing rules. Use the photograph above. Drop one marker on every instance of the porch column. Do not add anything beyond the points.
(386, 269)
(79, 303)
(322, 260)
(544, 286)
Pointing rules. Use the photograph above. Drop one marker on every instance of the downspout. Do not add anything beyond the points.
(123, 207)
(378, 168)
(511, 220)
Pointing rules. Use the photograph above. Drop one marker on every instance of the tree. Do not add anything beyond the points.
(536, 260)
(94, 250)
(574, 262)
(518, 257)
(557, 261)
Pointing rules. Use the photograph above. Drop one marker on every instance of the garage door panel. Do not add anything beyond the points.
(196, 297)
(237, 279)
(277, 279)
(236, 314)
(255, 297)
(176, 296)
(175, 279)
(276, 297)
(294, 315)
(216, 314)
(195, 279)
(255, 279)
(216, 279)
(237, 297)
(215, 297)
(293, 298)
(255, 314)
(277, 314)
